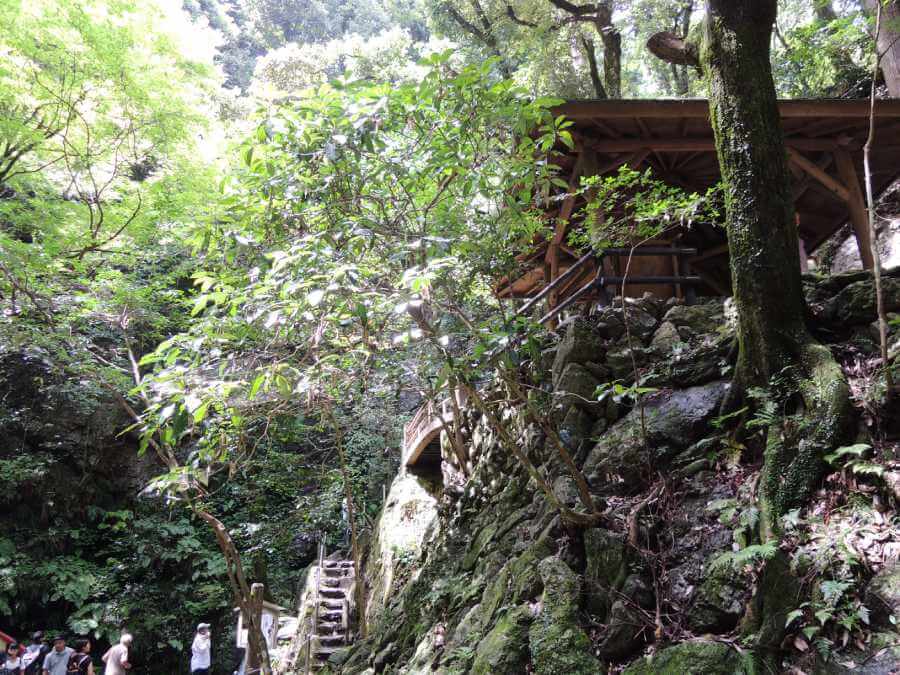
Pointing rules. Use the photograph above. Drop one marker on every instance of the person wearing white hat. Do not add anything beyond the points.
(201, 650)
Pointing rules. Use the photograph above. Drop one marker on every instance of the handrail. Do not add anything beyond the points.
(315, 619)
(600, 281)
(565, 276)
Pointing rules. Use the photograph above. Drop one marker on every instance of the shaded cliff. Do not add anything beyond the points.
(674, 578)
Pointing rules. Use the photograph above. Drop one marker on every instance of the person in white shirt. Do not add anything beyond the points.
(116, 657)
(201, 650)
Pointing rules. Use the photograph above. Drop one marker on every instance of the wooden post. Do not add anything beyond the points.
(254, 649)
(857, 204)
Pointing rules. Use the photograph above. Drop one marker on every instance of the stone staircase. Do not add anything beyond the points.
(331, 618)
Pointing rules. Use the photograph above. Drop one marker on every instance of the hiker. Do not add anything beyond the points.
(56, 661)
(201, 650)
(13, 663)
(80, 661)
(33, 659)
(116, 657)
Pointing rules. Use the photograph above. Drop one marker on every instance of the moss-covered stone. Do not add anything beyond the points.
(557, 643)
(673, 421)
(580, 344)
(777, 594)
(504, 650)
(719, 602)
(493, 596)
(606, 568)
(697, 319)
(484, 538)
(525, 580)
(883, 596)
(693, 658)
(665, 338)
(576, 386)
(855, 303)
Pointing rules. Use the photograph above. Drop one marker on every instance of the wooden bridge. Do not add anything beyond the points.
(421, 435)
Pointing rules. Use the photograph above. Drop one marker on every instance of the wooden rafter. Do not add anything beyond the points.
(699, 108)
(699, 144)
(813, 170)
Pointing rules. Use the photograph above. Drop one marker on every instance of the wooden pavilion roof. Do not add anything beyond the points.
(824, 139)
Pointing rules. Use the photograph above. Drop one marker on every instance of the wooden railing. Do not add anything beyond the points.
(600, 282)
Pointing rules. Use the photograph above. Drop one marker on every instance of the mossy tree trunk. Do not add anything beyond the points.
(772, 337)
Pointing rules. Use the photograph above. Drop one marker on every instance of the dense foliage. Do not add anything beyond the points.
(278, 218)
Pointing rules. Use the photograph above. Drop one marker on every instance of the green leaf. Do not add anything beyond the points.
(257, 383)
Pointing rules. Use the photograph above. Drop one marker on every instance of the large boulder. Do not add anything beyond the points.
(692, 320)
(855, 302)
(700, 657)
(606, 568)
(719, 602)
(625, 630)
(580, 344)
(577, 386)
(504, 650)
(883, 596)
(557, 643)
(673, 420)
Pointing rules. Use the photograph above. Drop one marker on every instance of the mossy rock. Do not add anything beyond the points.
(484, 538)
(576, 386)
(494, 596)
(504, 650)
(719, 602)
(883, 596)
(622, 361)
(697, 319)
(525, 580)
(557, 643)
(606, 568)
(693, 658)
(580, 344)
(674, 420)
(665, 338)
(855, 303)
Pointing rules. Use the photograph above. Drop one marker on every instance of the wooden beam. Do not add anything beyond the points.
(569, 203)
(859, 215)
(634, 160)
(802, 186)
(813, 170)
(611, 109)
(698, 144)
(709, 253)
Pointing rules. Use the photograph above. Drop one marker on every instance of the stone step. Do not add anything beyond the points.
(329, 603)
(338, 572)
(331, 616)
(329, 629)
(323, 652)
(338, 593)
(332, 640)
(331, 564)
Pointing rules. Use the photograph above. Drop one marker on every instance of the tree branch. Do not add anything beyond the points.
(673, 49)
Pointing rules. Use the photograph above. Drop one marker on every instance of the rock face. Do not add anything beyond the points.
(407, 519)
(503, 584)
(504, 650)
